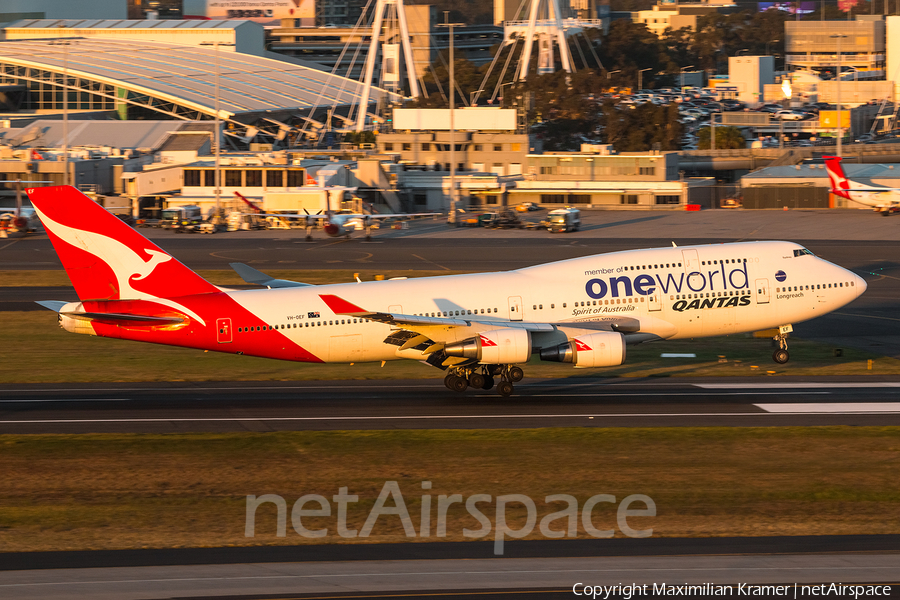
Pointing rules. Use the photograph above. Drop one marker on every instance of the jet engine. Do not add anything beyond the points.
(495, 347)
(601, 349)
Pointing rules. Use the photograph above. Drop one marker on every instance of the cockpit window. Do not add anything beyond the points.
(802, 251)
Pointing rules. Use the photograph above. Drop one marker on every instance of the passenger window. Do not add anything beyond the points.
(564, 304)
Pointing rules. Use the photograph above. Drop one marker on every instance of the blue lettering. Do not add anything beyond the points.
(702, 285)
(589, 288)
(670, 281)
(640, 285)
(614, 285)
(742, 271)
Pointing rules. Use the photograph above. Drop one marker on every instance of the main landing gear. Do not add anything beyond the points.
(781, 355)
(481, 377)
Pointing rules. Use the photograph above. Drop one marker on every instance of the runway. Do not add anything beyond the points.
(426, 404)
(380, 578)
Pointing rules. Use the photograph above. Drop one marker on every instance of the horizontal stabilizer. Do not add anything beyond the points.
(124, 318)
(54, 305)
(251, 275)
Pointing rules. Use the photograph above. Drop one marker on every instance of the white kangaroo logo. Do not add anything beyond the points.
(125, 262)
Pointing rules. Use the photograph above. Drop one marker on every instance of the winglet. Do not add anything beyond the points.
(339, 306)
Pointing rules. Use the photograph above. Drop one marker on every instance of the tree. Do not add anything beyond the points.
(727, 138)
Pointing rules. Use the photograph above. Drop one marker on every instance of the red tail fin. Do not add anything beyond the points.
(839, 182)
(105, 258)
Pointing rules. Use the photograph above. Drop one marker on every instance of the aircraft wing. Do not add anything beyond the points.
(341, 307)
(400, 215)
(624, 325)
(251, 275)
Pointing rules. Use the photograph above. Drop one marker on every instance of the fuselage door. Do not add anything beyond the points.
(223, 330)
(695, 279)
(515, 308)
(395, 309)
(654, 300)
(762, 291)
(691, 261)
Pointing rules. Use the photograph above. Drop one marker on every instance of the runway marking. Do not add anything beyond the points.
(832, 408)
(445, 573)
(559, 395)
(865, 316)
(796, 385)
(393, 418)
(65, 400)
(431, 262)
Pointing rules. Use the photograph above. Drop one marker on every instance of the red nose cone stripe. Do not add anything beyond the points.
(339, 306)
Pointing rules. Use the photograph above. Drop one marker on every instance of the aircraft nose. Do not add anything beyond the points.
(861, 285)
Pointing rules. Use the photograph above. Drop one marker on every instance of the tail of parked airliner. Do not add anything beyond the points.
(104, 257)
(839, 182)
(840, 185)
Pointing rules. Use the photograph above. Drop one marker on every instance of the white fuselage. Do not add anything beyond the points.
(665, 293)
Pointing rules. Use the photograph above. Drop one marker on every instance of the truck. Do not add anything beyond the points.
(181, 218)
(563, 220)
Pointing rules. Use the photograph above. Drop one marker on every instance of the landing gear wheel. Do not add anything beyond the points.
(476, 380)
(505, 388)
(459, 384)
(516, 374)
(448, 379)
(781, 356)
(488, 383)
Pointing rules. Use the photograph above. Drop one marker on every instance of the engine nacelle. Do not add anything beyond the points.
(601, 349)
(495, 347)
(73, 324)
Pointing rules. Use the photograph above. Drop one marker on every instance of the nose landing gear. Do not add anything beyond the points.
(781, 355)
(481, 377)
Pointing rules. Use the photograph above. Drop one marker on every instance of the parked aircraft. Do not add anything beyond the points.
(20, 221)
(883, 200)
(336, 224)
(583, 311)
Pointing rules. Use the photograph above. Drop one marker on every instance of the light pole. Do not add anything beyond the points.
(452, 86)
(683, 69)
(609, 73)
(65, 107)
(473, 96)
(218, 141)
(641, 78)
(838, 36)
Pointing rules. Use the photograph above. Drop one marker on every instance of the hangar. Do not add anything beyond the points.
(260, 99)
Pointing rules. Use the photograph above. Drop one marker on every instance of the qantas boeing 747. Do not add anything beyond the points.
(583, 311)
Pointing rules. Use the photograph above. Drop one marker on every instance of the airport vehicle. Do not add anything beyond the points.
(340, 223)
(527, 207)
(564, 219)
(583, 311)
(181, 218)
(883, 200)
